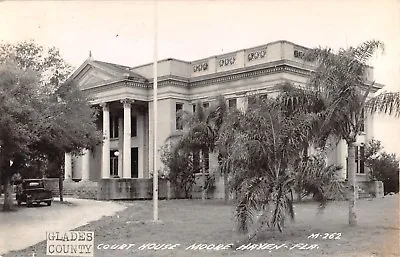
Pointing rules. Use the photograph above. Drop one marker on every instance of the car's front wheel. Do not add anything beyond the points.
(48, 203)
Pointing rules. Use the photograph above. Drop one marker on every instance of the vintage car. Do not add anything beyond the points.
(33, 191)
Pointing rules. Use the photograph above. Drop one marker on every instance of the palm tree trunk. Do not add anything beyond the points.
(226, 189)
(351, 167)
(203, 169)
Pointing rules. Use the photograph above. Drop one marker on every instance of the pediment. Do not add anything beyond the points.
(91, 75)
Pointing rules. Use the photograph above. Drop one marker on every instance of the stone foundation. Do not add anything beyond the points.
(130, 189)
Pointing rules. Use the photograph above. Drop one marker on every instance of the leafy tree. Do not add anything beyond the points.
(20, 121)
(46, 61)
(70, 128)
(383, 166)
(42, 117)
(339, 83)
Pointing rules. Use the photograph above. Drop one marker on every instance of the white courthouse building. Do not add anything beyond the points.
(124, 96)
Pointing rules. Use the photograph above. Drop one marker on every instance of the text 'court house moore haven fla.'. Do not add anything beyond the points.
(124, 96)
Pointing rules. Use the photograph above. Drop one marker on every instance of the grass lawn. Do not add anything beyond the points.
(186, 222)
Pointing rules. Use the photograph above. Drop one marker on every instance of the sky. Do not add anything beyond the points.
(123, 31)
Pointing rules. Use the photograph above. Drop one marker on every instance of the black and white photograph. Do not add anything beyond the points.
(202, 128)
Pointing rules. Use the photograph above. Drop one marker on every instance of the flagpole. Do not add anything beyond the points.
(155, 171)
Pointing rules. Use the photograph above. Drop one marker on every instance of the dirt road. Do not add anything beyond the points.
(28, 226)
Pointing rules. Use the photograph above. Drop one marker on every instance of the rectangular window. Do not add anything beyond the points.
(252, 100)
(194, 108)
(198, 162)
(362, 120)
(114, 126)
(232, 103)
(133, 126)
(178, 116)
(360, 159)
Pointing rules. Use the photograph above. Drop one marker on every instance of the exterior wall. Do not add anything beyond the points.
(163, 69)
(237, 87)
(165, 126)
(76, 167)
(146, 143)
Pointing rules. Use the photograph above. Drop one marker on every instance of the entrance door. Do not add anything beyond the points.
(134, 162)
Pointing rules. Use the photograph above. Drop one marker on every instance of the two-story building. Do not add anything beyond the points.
(124, 96)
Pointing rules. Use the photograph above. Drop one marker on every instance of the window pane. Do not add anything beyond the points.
(111, 127)
(115, 126)
(362, 121)
(232, 103)
(362, 159)
(356, 159)
(133, 126)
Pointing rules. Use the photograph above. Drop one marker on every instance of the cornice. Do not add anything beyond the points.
(103, 86)
(221, 77)
(255, 72)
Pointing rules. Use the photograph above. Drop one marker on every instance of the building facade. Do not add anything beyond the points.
(124, 96)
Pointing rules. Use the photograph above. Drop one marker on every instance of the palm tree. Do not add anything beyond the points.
(204, 126)
(199, 138)
(263, 146)
(219, 114)
(339, 83)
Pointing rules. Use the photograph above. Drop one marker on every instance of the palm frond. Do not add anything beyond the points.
(364, 52)
(251, 200)
(386, 102)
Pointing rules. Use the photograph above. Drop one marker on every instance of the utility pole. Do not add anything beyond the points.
(155, 172)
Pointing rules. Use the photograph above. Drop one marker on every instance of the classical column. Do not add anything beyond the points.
(242, 103)
(140, 136)
(150, 139)
(68, 166)
(105, 168)
(85, 164)
(126, 173)
(120, 145)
